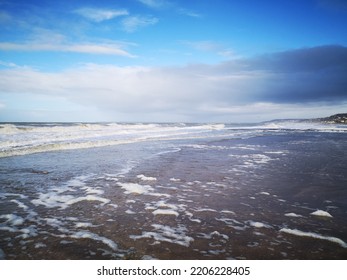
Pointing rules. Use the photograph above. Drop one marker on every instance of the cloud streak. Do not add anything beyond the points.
(155, 3)
(272, 83)
(133, 23)
(87, 48)
(189, 13)
(99, 15)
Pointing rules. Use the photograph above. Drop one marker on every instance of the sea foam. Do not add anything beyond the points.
(314, 235)
(167, 234)
(321, 213)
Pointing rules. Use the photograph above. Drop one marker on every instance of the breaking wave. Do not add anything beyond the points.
(27, 138)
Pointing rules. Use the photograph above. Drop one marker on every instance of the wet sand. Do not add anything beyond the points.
(250, 198)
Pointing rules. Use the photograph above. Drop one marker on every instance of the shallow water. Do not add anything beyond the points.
(202, 193)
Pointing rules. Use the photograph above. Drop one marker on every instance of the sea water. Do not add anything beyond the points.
(274, 190)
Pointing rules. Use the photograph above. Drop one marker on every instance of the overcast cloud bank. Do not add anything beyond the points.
(197, 92)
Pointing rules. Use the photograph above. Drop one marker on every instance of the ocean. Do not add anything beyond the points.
(271, 190)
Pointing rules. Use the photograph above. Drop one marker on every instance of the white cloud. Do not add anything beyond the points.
(89, 48)
(189, 13)
(8, 64)
(135, 92)
(239, 90)
(47, 40)
(133, 23)
(99, 15)
(155, 3)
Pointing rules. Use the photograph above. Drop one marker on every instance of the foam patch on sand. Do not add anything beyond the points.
(208, 147)
(135, 188)
(204, 210)
(233, 223)
(277, 152)
(12, 219)
(90, 235)
(264, 193)
(20, 204)
(53, 199)
(63, 227)
(247, 147)
(213, 234)
(40, 245)
(165, 212)
(253, 160)
(167, 234)
(53, 223)
(83, 225)
(175, 180)
(292, 215)
(228, 212)
(5, 195)
(321, 213)
(162, 207)
(11, 226)
(145, 178)
(66, 195)
(259, 224)
(314, 235)
(190, 217)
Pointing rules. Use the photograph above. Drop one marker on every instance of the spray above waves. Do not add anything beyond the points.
(28, 138)
(22, 139)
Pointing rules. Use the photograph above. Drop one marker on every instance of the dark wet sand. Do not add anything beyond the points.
(228, 200)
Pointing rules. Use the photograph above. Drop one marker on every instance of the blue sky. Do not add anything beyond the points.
(171, 60)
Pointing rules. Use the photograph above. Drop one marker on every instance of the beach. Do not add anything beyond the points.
(173, 191)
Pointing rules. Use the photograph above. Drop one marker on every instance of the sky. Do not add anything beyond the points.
(172, 60)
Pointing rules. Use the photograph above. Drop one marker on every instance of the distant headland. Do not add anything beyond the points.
(338, 118)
